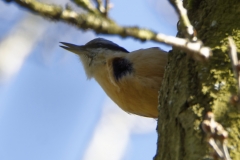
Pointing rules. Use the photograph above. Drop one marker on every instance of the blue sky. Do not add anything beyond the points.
(48, 108)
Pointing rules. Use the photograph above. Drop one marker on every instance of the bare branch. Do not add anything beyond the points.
(87, 5)
(103, 9)
(234, 59)
(107, 7)
(194, 49)
(100, 6)
(232, 51)
(182, 12)
(104, 25)
(216, 137)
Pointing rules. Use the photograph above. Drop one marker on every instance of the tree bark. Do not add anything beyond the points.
(191, 88)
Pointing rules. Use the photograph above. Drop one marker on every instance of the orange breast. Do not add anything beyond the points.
(137, 92)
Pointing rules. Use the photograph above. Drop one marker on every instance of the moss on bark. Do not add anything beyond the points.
(191, 88)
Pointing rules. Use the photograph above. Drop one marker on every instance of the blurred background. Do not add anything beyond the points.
(48, 108)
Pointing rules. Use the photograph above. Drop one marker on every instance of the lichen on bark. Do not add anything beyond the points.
(191, 88)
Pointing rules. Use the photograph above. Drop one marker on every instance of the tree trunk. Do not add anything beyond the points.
(190, 88)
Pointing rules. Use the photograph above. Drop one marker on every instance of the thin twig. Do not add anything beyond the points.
(182, 12)
(107, 7)
(216, 136)
(100, 6)
(194, 47)
(103, 9)
(232, 50)
(216, 148)
(234, 59)
(87, 5)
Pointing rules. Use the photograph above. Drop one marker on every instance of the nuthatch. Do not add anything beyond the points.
(131, 80)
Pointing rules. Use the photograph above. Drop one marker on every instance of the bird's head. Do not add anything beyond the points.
(94, 53)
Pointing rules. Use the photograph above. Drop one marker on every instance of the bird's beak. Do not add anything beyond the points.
(71, 47)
